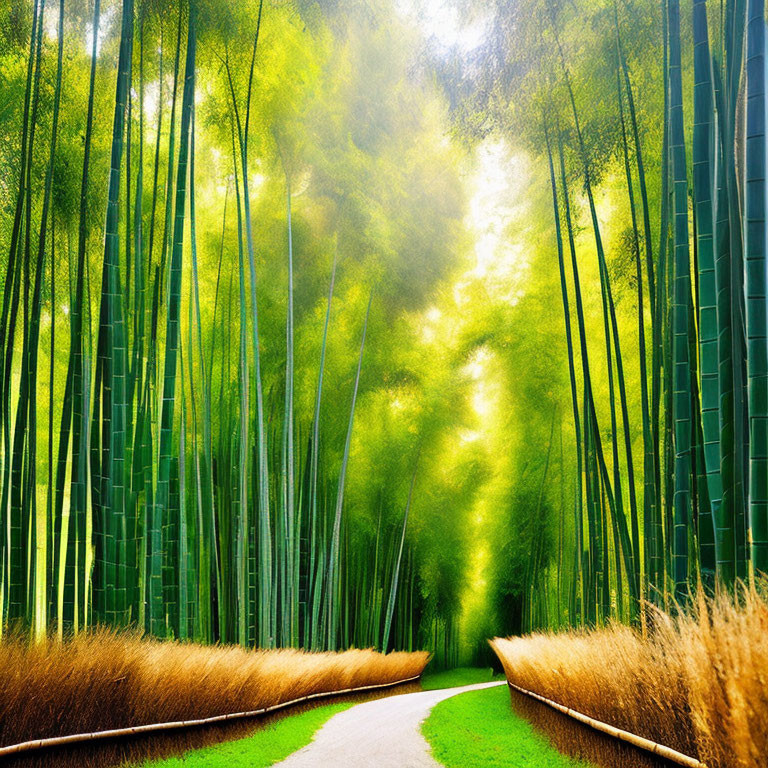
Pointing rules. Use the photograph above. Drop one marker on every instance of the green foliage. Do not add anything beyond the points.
(188, 255)
(185, 408)
(613, 93)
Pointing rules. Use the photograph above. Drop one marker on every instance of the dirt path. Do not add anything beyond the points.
(377, 734)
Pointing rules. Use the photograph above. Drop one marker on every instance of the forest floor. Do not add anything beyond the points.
(462, 719)
(378, 734)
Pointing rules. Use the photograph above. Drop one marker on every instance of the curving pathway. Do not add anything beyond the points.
(385, 733)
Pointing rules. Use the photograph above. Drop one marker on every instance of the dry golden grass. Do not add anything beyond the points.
(697, 683)
(103, 681)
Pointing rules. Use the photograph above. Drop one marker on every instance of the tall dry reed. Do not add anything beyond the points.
(105, 680)
(697, 683)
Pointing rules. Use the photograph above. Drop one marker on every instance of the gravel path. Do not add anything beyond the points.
(384, 733)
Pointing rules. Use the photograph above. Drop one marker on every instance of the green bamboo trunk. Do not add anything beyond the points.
(109, 524)
(730, 243)
(10, 552)
(579, 502)
(703, 128)
(21, 542)
(396, 573)
(726, 536)
(680, 315)
(167, 515)
(756, 284)
(333, 589)
(649, 491)
(630, 546)
(315, 562)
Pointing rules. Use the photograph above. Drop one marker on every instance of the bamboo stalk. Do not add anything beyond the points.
(611, 333)
(334, 554)
(396, 573)
(756, 271)
(680, 316)
(579, 510)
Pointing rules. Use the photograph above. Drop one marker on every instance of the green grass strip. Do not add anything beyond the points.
(452, 678)
(265, 747)
(479, 730)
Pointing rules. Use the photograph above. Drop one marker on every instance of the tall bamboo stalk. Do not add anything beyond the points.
(680, 313)
(756, 274)
(333, 578)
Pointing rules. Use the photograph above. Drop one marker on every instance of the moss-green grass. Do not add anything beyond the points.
(479, 730)
(452, 678)
(265, 747)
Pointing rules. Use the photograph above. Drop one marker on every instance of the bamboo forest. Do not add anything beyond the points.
(350, 345)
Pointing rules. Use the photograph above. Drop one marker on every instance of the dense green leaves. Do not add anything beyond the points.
(683, 398)
(200, 481)
(234, 414)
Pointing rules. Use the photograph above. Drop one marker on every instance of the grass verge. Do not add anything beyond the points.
(265, 747)
(479, 730)
(452, 678)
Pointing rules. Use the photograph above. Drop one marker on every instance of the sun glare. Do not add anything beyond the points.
(442, 25)
(475, 368)
(104, 23)
(434, 314)
(52, 27)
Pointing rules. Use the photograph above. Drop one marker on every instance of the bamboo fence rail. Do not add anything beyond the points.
(667, 753)
(77, 738)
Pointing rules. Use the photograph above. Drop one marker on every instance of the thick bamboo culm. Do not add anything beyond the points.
(78, 738)
(667, 753)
